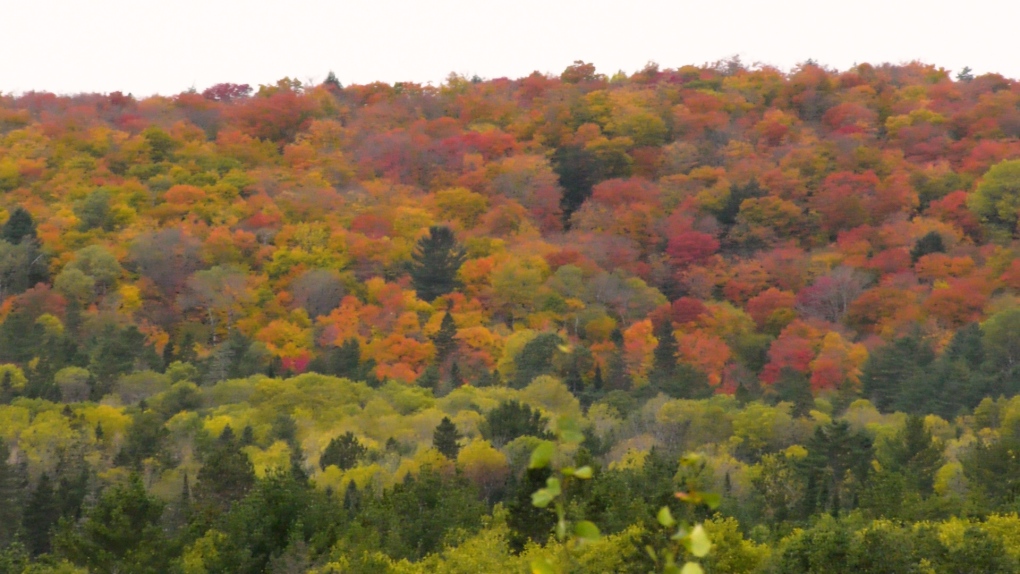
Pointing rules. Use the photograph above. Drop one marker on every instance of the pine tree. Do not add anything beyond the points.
(13, 486)
(19, 227)
(665, 354)
(343, 451)
(41, 514)
(445, 438)
(332, 83)
(445, 338)
(434, 264)
(226, 474)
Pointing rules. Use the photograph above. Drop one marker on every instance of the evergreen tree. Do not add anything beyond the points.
(930, 243)
(332, 83)
(41, 514)
(445, 438)
(122, 533)
(916, 454)
(18, 227)
(226, 475)
(429, 378)
(837, 460)
(512, 419)
(665, 353)
(434, 264)
(343, 451)
(445, 338)
(13, 487)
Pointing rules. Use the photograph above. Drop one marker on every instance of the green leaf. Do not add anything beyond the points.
(553, 486)
(711, 500)
(666, 517)
(570, 431)
(541, 566)
(700, 544)
(584, 473)
(671, 569)
(541, 498)
(692, 568)
(542, 455)
(586, 530)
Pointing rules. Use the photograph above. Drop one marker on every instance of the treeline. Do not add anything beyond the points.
(260, 475)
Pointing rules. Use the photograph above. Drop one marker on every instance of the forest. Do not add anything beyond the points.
(720, 318)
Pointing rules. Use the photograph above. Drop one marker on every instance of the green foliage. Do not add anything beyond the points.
(120, 534)
(437, 258)
(343, 451)
(512, 419)
(445, 437)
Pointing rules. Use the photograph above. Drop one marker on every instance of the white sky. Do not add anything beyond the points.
(167, 46)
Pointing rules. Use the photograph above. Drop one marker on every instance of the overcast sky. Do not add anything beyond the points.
(146, 47)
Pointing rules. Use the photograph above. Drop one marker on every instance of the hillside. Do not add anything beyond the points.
(269, 299)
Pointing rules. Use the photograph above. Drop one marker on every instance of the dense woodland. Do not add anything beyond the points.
(324, 328)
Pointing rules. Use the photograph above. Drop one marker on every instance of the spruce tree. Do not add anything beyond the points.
(343, 452)
(226, 474)
(13, 486)
(434, 264)
(445, 338)
(19, 226)
(41, 514)
(665, 354)
(445, 438)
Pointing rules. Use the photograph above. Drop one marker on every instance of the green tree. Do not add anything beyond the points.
(837, 464)
(445, 438)
(434, 263)
(997, 198)
(916, 454)
(226, 475)
(512, 419)
(930, 243)
(41, 514)
(13, 488)
(18, 226)
(121, 533)
(343, 451)
(445, 339)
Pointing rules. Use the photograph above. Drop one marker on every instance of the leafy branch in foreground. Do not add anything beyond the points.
(572, 534)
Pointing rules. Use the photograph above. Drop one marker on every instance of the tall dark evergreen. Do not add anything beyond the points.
(41, 514)
(19, 227)
(343, 451)
(226, 475)
(512, 419)
(13, 488)
(445, 438)
(930, 243)
(665, 354)
(445, 338)
(434, 264)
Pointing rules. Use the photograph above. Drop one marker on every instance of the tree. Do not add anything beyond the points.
(512, 419)
(121, 533)
(930, 243)
(996, 201)
(343, 451)
(916, 454)
(41, 514)
(445, 339)
(18, 226)
(318, 291)
(838, 461)
(13, 490)
(434, 263)
(226, 475)
(445, 437)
